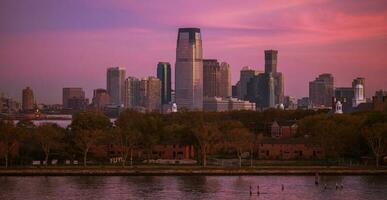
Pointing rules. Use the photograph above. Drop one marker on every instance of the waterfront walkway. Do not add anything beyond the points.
(185, 170)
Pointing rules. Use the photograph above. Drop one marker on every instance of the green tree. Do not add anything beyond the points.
(376, 136)
(50, 137)
(87, 129)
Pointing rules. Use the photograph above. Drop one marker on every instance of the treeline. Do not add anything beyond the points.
(341, 136)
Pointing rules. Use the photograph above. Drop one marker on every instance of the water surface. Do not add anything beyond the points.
(191, 187)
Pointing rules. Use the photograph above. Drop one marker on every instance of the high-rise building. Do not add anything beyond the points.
(115, 85)
(150, 94)
(290, 103)
(260, 90)
(271, 61)
(225, 80)
(216, 79)
(28, 99)
(271, 58)
(189, 69)
(359, 80)
(100, 99)
(164, 74)
(321, 90)
(245, 76)
(132, 92)
(74, 99)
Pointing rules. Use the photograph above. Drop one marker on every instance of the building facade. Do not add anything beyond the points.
(100, 99)
(164, 74)
(150, 94)
(189, 69)
(28, 99)
(321, 90)
(271, 59)
(115, 85)
(246, 74)
(132, 92)
(73, 98)
(218, 104)
(216, 79)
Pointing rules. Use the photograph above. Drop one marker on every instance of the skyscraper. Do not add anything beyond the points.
(216, 79)
(271, 57)
(224, 80)
(260, 89)
(164, 74)
(28, 99)
(321, 90)
(189, 69)
(271, 61)
(132, 92)
(150, 94)
(115, 85)
(245, 76)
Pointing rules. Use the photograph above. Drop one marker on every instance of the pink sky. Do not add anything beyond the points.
(50, 44)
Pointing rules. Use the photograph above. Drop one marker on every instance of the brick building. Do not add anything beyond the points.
(289, 149)
(283, 129)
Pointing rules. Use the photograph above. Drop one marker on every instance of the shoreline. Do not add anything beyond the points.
(184, 171)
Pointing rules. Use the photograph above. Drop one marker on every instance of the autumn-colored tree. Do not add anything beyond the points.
(376, 136)
(238, 138)
(206, 134)
(50, 137)
(9, 139)
(86, 139)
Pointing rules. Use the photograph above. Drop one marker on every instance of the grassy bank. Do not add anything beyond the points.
(188, 170)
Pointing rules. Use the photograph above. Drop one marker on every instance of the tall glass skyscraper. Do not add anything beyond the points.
(164, 74)
(115, 85)
(189, 69)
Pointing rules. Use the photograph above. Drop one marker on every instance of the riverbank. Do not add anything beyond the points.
(187, 171)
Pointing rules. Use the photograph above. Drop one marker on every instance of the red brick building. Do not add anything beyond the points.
(283, 129)
(289, 149)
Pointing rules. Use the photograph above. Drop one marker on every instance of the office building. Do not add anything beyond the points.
(132, 93)
(245, 76)
(73, 98)
(216, 79)
(28, 100)
(100, 99)
(271, 59)
(115, 85)
(321, 90)
(218, 104)
(150, 94)
(189, 69)
(164, 74)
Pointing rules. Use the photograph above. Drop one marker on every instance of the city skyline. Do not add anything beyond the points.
(48, 52)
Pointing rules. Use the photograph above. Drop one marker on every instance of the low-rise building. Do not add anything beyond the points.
(289, 149)
(217, 104)
(283, 129)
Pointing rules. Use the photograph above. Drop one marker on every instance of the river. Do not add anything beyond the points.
(192, 187)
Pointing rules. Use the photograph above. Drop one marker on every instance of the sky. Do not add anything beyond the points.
(51, 44)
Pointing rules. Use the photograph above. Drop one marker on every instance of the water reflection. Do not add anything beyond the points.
(192, 187)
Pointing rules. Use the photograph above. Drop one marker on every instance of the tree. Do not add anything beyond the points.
(90, 120)
(49, 136)
(87, 128)
(9, 139)
(86, 139)
(238, 138)
(206, 134)
(127, 133)
(376, 136)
